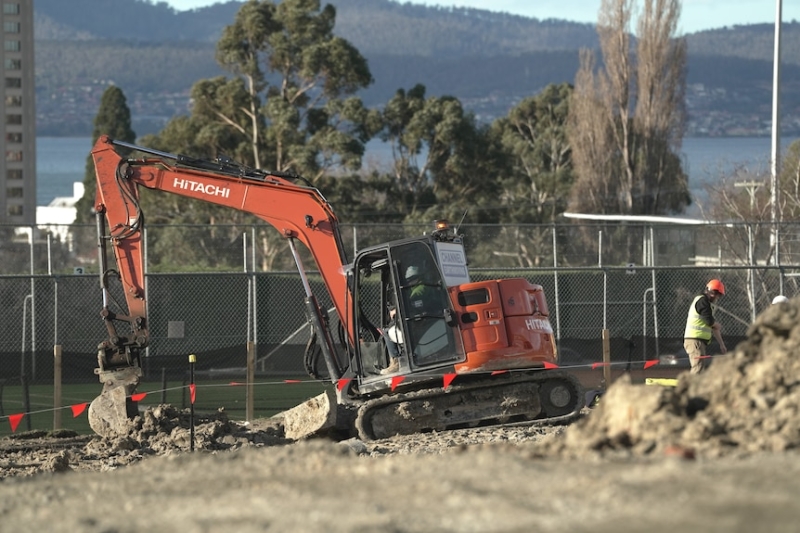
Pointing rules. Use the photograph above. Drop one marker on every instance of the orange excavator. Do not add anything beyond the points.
(417, 346)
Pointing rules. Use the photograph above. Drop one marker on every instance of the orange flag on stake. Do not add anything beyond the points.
(342, 383)
(14, 420)
(292, 381)
(648, 364)
(448, 379)
(138, 397)
(550, 366)
(598, 365)
(78, 409)
(192, 391)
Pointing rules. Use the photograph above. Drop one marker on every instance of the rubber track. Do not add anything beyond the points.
(426, 400)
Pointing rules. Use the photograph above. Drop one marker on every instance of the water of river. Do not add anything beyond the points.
(60, 161)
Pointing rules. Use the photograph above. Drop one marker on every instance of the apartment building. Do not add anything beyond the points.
(18, 112)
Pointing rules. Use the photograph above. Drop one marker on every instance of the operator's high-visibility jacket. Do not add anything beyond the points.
(697, 324)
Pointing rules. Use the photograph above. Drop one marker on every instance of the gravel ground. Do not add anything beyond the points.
(716, 453)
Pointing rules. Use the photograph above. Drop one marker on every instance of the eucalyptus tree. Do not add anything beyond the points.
(286, 107)
(540, 176)
(534, 178)
(289, 100)
(444, 162)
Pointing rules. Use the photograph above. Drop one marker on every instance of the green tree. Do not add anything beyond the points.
(442, 159)
(535, 177)
(288, 102)
(113, 119)
(407, 169)
(284, 109)
(535, 135)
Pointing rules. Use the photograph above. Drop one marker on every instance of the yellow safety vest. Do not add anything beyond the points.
(696, 327)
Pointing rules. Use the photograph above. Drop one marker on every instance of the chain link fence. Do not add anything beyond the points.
(212, 290)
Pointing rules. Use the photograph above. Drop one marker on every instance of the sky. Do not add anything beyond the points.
(696, 15)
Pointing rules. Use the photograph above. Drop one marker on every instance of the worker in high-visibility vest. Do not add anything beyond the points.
(701, 325)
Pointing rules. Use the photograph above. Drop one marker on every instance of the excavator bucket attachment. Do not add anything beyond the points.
(111, 412)
(316, 416)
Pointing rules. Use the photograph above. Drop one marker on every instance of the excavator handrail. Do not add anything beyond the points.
(220, 165)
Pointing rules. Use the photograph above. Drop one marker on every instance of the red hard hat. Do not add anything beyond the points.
(716, 285)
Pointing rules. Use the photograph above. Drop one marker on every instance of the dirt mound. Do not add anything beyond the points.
(161, 430)
(165, 429)
(744, 403)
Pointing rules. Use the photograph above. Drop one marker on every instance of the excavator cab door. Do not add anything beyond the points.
(403, 311)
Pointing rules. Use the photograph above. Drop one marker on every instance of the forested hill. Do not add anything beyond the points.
(488, 60)
(383, 27)
(374, 26)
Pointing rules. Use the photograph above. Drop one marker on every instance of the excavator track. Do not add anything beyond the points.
(530, 398)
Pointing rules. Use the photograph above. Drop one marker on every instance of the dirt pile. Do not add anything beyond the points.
(744, 403)
(164, 429)
(161, 430)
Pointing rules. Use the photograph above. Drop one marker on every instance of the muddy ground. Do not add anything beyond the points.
(716, 453)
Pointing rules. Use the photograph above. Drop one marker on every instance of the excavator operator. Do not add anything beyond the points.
(421, 298)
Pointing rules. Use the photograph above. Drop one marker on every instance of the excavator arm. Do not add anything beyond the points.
(296, 210)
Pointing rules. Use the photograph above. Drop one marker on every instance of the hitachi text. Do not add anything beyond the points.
(196, 186)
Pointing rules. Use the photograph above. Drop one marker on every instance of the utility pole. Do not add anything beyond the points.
(776, 132)
(751, 187)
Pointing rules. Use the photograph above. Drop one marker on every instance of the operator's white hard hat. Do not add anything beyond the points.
(412, 272)
(780, 298)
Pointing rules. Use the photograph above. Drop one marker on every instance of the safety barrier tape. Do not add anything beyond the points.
(664, 382)
(447, 379)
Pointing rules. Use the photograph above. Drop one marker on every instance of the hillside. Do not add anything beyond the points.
(374, 26)
(489, 60)
(754, 42)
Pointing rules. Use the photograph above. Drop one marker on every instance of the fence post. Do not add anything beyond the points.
(751, 275)
(23, 377)
(555, 284)
(251, 377)
(57, 387)
(606, 358)
(163, 385)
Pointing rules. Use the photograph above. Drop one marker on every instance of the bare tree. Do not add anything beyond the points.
(628, 117)
(660, 117)
(592, 143)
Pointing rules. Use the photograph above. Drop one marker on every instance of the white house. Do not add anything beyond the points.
(60, 213)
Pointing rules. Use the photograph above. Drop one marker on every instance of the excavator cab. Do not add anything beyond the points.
(403, 311)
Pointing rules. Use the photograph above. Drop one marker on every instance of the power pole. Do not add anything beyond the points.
(751, 187)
